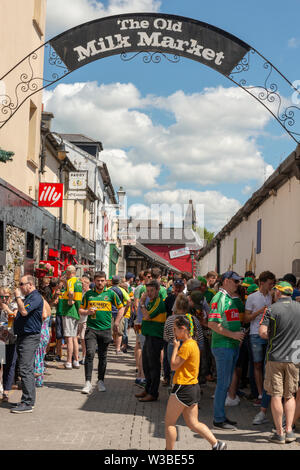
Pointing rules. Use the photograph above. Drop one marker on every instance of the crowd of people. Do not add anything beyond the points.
(232, 330)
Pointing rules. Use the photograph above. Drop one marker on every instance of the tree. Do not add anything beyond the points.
(205, 234)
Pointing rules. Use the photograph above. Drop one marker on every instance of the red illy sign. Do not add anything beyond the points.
(51, 194)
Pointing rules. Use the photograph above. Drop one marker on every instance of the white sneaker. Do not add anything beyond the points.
(76, 365)
(260, 418)
(232, 401)
(101, 386)
(68, 365)
(87, 388)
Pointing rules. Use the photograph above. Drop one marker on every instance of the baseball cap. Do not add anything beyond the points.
(197, 297)
(116, 279)
(193, 284)
(252, 288)
(129, 276)
(231, 275)
(284, 287)
(248, 281)
(178, 282)
(202, 280)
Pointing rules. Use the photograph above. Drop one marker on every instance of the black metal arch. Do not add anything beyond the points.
(155, 36)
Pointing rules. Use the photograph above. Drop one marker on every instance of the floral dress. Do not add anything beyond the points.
(39, 365)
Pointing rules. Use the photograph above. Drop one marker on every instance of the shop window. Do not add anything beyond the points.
(30, 245)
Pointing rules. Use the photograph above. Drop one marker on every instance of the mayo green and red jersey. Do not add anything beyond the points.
(225, 310)
(102, 302)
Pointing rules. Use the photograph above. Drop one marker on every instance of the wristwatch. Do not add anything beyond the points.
(18, 297)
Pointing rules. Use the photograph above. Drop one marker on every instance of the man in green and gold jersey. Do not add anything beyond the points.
(154, 317)
(69, 309)
(97, 304)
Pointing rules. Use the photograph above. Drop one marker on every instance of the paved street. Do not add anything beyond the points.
(65, 419)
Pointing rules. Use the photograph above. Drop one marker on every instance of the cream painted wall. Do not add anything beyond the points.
(19, 35)
(280, 242)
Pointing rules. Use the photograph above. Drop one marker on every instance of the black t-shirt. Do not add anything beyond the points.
(169, 303)
(283, 322)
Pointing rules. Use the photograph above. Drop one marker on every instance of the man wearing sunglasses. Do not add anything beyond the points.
(225, 323)
(27, 327)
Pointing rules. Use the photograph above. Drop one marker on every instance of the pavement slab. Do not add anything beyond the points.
(66, 419)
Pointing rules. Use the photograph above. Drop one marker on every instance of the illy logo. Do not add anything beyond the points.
(51, 194)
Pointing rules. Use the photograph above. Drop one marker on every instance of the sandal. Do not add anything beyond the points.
(5, 397)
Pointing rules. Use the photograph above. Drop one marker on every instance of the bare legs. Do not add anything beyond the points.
(190, 414)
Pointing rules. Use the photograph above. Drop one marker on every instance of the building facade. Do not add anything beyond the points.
(265, 233)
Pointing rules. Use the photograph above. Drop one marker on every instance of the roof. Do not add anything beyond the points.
(172, 236)
(153, 256)
(287, 169)
(81, 139)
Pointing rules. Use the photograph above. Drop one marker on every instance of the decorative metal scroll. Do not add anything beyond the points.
(275, 92)
(24, 79)
(153, 37)
(154, 57)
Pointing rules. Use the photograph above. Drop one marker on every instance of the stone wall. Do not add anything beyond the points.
(15, 254)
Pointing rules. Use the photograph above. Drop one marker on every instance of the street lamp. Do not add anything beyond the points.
(62, 156)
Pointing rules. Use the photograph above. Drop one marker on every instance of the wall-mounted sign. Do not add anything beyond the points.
(178, 253)
(78, 180)
(76, 195)
(51, 194)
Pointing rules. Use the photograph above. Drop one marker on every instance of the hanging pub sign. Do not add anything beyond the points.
(150, 32)
(51, 194)
(78, 180)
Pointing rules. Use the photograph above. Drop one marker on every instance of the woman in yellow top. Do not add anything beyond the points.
(185, 393)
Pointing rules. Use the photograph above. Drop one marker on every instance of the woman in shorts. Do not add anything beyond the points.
(185, 393)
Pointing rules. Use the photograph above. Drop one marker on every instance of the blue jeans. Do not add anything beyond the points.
(226, 359)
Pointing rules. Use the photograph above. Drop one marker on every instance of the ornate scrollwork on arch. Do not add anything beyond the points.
(268, 92)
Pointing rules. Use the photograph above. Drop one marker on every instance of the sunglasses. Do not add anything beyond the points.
(23, 283)
(4, 296)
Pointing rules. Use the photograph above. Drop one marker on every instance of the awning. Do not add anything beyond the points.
(154, 257)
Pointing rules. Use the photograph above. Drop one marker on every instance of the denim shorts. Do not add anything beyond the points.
(258, 347)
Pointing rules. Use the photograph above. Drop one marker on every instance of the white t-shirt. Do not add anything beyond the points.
(255, 302)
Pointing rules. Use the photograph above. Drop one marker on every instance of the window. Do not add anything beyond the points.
(30, 245)
(2, 244)
(37, 17)
(258, 240)
(1, 235)
(42, 249)
(31, 156)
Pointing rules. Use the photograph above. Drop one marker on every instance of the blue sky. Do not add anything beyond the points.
(175, 108)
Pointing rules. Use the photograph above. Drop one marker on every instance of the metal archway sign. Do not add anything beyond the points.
(155, 36)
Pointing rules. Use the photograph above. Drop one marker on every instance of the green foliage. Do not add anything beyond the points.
(204, 233)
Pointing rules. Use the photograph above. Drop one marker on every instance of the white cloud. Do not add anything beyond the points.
(135, 178)
(65, 14)
(212, 140)
(218, 209)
